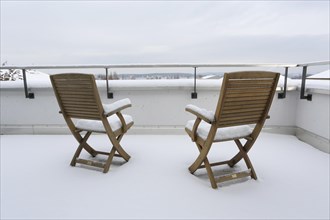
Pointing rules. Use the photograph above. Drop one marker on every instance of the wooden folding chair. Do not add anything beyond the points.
(83, 111)
(242, 109)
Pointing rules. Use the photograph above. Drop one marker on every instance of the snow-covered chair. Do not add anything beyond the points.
(241, 111)
(84, 113)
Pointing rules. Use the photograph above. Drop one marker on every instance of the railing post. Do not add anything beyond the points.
(303, 85)
(282, 95)
(27, 94)
(109, 94)
(194, 94)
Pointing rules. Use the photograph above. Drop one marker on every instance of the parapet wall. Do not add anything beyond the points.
(158, 107)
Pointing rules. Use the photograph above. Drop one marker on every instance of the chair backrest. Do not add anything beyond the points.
(77, 95)
(245, 97)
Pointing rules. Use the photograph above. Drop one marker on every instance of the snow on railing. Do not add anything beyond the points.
(173, 65)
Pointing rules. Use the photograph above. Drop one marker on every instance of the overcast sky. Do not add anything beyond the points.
(115, 32)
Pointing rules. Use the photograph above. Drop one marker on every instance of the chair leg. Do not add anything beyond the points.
(109, 160)
(239, 156)
(208, 169)
(86, 146)
(115, 141)
(76, 155)
(201, 157)
(111, 155)
(82, 145)
(246, 158)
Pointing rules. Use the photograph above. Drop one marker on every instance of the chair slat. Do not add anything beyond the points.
(237, 122)
(90, 163)
(240, 104)
(82, 105)
(241, 110)
(77, 97)
(250, 82)
(255, 90)
(75, 92)
(78, 111)
(83, 115)
(250, 85)
(244, 98)
(247, 94)
(233, 176)
(66, 83)
(240, 117)
(75, 101)
(70, 81)
(241, 114)
(68, 87)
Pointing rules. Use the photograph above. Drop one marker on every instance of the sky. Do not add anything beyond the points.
(126, 32)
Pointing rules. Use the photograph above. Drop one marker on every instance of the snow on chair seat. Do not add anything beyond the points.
(97, 126)
(222, 134)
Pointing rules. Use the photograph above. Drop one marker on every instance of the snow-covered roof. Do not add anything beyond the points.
(37, 181)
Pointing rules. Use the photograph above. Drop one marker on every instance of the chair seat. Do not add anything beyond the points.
(97, 126)
(227, 133)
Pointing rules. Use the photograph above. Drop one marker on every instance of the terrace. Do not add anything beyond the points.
(291, 157)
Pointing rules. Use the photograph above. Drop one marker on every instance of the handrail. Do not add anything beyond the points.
(318, 78)
(164, 65)
(174, 65)
(317, 63)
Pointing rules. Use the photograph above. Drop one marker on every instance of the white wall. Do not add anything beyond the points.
(158, 107)
(314, 115)
(153, 106)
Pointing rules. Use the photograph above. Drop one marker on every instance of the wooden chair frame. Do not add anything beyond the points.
(245, 99)
(78, 98)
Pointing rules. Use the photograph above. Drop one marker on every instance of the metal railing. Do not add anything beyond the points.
(106, 67)
(304, 77)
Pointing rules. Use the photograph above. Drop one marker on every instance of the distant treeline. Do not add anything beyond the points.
(173, 75)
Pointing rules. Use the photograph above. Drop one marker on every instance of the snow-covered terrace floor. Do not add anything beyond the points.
(38, 183)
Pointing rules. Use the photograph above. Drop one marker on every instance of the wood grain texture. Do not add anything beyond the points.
(245, 99)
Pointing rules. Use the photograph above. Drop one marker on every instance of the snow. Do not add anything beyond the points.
(37, 79)
(114, 121)
(37, 75)
(324, 74)
(37, 181)
(34, 78)
(222, 133)
(291, 84)
(206, 113)
(319, 84)
(114, 107)
(94, 125)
